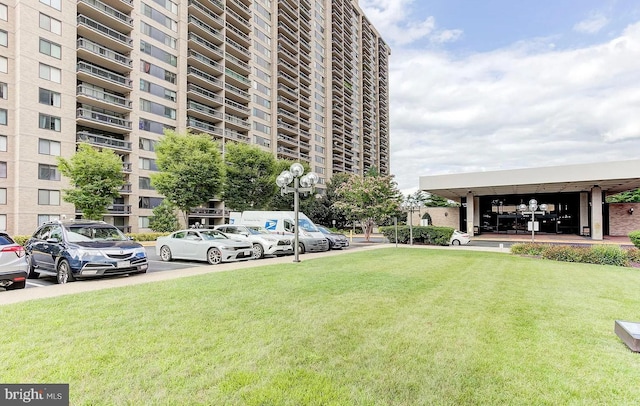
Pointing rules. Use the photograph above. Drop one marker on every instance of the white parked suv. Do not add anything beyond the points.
(264, 242)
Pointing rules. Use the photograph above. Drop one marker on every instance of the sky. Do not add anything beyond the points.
(483, 85)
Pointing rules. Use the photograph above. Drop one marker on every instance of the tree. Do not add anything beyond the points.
(164, 219)
(321, 209)
(191, 170)
(438, 201)
(632, 196)
(97, 179)
(250, 177)
(413, 202)
(369, 199)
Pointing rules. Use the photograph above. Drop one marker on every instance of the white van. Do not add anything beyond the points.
(282, 222)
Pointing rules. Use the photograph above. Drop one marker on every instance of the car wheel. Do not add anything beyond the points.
(301, 249)
(63, 272)
(214, 256)
(17, 285)
(455, 242)
(258, 251)
(165, 253)
(32, 274)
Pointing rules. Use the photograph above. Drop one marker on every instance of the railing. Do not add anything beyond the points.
(202, 108)
(119, 209)
(104, 74)
(83, 90)
(98, 5)
(237, 106)
(243, 50)
(237, 76)
(235, 135)
(202, 125)
(209, 211)
(237, 61)
(205, 60)
(103, 141)
(104, 52)
(236, 90)
(208, 45)
(237, 16)
(206, 11)
(206, 27)
(238, 32)
(204, 93)
(238, 121)
(103, 118)
(103, 29)
(205, 76)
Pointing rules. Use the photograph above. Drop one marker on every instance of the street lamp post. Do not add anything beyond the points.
(533, 206)
(301, 184)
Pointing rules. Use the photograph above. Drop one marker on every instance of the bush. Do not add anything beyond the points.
(607, 255)
(21, 239)
(431, 235)
(146, 236)
(529, 248)
(565, 253)
(633, 254)
(634, 236)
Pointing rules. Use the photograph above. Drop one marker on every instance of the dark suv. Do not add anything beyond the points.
(83, 249)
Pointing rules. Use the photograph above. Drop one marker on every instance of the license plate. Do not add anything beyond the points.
(123, 264)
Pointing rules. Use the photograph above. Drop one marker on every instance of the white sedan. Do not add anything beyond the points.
(202, 245)
(459, 237)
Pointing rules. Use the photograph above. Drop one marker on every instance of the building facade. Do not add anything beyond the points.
(306, 80)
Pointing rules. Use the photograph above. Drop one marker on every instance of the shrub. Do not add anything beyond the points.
(21, 239)
(421, 234)
(146, 236)
(529, 248)
(565, 253)
(634, 236)
(633, 254)
(607, 255)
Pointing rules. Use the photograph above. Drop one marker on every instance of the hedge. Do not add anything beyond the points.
(634, 236)
(431, 235)
(602, 254)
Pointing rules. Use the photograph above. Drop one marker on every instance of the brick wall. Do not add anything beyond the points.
(621, 223)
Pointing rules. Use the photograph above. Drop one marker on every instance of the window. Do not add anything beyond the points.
(48, 147)
(261, 114)
(157, 90)
(262, 62)
(158, 35)
(157, 72)
(3, 196)
(45, 218)
(146, 144)
(3, 221)
(262, 75)
(3, 169)
(262, 88)
(57, 4)
(50, 48)
(48, 197)
(4, 12)
(50, 24)
(262, 23)
(47, 122)
(157, 16)
(48, 172)
(4, 90)
(168, 4)
(156, 52)
(3, 143)
(50, 98)
(148, 164)
(3, 116)
(4, 64)
(143, 222)
(50, 73)
(262, 101)
(157, 108)
(262, 49)
(262, 128)
(4, 38)
(262, 36)
(144, 183)
(153, 126)
(149, 202)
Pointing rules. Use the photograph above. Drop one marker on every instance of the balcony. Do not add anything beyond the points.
(236, 64)
(125, 6)
(216, 5)
(237, 50)
(203, 79)
(104, 57)
(240, 109)
(103, 141)
(290, 68)
(238, 122)
(287, 78)
(105, 78)
(126, 167)
(283, 29)
(284, 102)
(203, 29)
(287, 128)
(239, 8)
(242, 23)
(237, 79)
(203, 126)
(236, 93)
(235, 135)
(205, 63)
(103, 119)
(287, 116)
(203, 111)
(208, 212)
(125, 189)
(197, 42)
(91, 95)
(99, 11)
(287, 90)
(205, 14)
(102, 34)
(238, 35)
(119, 209)
(203, 95)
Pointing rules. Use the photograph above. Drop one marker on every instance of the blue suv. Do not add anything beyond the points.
(76, 249)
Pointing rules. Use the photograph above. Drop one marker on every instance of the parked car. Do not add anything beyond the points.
(212, 246)
(13, 264)
(337, 241)
(264, 242)
(459, 237)
(75, 249)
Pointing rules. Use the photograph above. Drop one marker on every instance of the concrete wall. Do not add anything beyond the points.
(621, 223)
(440, 216)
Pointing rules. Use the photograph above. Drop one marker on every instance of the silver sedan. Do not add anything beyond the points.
(202, 245)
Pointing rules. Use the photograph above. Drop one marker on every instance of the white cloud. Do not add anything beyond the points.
(517, 107)
(592, 25)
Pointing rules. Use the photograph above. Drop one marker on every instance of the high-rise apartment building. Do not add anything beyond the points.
(304, 79)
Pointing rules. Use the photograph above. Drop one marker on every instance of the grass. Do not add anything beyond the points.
(392, 327)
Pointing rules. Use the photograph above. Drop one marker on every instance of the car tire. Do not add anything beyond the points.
(301, 249)
(31, 273)
(455, 242)
(64, 274)
(214, 256)
(165, 253)
(258, 251)
(17, 285)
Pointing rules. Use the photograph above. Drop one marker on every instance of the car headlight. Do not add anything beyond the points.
(140, 252)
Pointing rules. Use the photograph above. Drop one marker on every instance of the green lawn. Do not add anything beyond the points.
(396, 326)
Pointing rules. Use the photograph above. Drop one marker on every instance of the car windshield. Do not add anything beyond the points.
(79, 233)
(213, 235)
(306, 225)
(258, 230)
(323, 230)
